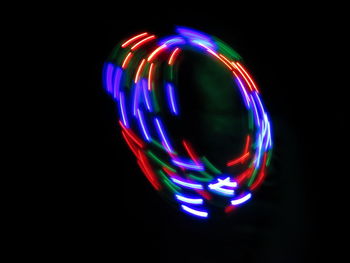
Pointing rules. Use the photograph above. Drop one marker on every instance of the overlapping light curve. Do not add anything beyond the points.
(171, 164)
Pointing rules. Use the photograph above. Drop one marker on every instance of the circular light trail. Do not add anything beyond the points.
(140, 76)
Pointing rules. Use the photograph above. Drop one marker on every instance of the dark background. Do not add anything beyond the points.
(113, 214)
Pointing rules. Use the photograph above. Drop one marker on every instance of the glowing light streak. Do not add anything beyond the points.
(173, 56)
(156, 52)
(128, 42)
(109, 73)
(194, 211)
(136, 139)
(256, 115)
(173, 41)
(171, 99)
(142, 42)
(191, 35)
(165, 166)
(162, 135)
(261, 175)
(132, 80)
(136, 98)
(219, 186)
(132, 147)
(211, 166)
(188, 165)
(146, 95)
(238, 160)
(140, 68)
(122, 109)
(247, 144)
(146, 168)
(126, 60)
(150, 73)
(247, 74)
(258, 159)
(243, 75)
(195, 201)
(190, 151)
(143, 125)
(117, 77)
(241, 200)
(187, 184)
(243, 91)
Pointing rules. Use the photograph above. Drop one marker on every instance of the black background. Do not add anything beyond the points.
(111, 213)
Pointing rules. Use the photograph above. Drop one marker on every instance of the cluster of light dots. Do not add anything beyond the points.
(171, 164)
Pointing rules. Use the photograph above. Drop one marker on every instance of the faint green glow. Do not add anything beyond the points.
(159, 145)
(269, 155)
(157, 160)
(227, 50)
(168, 183)
(211, 166)
(252, 178)
(250, 120)
(114, 53)
(201, 179)
(155, 101)
(171, 73)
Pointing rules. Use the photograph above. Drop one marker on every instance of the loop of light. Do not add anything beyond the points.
(130, 77)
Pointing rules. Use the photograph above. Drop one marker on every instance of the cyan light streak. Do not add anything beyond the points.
(199, 43)
(174, 40)
(221, 184)
(192, 34)
(223, 191)
(195, 201)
